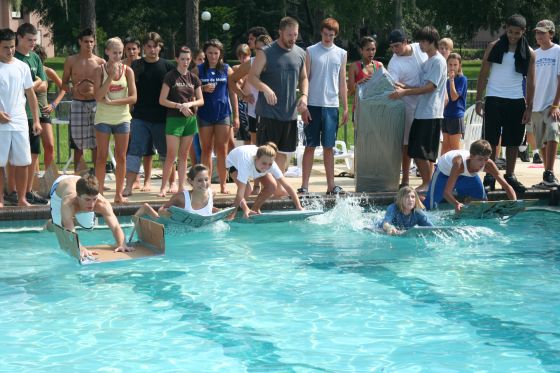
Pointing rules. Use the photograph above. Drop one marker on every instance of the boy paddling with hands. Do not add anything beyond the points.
(74, 197)
(458, 170)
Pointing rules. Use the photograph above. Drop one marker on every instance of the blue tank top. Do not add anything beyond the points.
(216, 104)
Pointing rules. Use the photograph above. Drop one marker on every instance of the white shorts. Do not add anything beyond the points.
(15, 148)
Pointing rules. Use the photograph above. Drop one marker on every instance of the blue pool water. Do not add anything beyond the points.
(316, 296)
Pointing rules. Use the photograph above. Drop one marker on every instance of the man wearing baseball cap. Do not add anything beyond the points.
(546, 113)
(405, 67)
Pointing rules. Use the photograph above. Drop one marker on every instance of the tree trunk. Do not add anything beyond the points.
(398, 14)
(87, 17)
(192, 25)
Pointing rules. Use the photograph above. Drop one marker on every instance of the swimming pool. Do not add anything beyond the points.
(316, 296)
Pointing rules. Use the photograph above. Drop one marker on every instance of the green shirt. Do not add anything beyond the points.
(36, 65)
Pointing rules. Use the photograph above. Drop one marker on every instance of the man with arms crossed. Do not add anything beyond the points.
(80, 69)
(546, 112)
(326, 69)
(16, 84)
(276, 73)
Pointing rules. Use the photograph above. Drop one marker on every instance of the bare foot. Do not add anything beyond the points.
(161, 193)
(422, 189)
(136, 184)
(120, 199)
(126, 192)
(23, 202)
(223, 190)
(173, 188)
(147, 187)
(256, 190)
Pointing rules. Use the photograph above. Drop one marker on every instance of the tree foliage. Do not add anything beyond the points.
(458, 19)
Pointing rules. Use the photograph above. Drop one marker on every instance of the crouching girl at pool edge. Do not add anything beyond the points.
(407, 212)
(249, 161)
(198, 201)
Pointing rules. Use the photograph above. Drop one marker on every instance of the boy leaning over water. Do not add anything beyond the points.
(457, 170)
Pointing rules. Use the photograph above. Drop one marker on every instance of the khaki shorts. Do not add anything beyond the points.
(545, 128)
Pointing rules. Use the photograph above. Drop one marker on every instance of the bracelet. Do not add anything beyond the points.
(304, 94)
(53, 105)
(555, 107)
(479, 102)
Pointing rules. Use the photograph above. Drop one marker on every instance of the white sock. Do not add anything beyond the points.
(522, 148)
(535, 152)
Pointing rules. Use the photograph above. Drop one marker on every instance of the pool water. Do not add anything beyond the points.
(322, 295)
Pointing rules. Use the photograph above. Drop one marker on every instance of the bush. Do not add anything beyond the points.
(470, 53)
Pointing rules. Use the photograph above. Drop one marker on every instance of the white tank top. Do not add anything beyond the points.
(205, 211)
(445, 162)
(504, 81)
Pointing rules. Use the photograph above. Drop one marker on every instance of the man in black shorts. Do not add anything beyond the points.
(276, 72)
(505, 63)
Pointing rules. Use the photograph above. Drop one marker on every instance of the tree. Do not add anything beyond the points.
(192, 23)
(88, 17)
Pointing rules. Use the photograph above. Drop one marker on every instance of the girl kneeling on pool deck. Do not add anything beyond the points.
(249, 161)
(405, 213)
(198, 200)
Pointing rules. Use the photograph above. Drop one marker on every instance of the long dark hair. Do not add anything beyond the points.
(216, 44)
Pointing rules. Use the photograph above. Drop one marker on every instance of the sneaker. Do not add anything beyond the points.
(515, 184)
(11, 198)
(537, 158)
(524, 156)
(35, 199)
(549, 179)
(489, 182)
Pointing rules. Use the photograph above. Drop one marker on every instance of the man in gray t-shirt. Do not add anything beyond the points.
(423, 141)
(276, 73)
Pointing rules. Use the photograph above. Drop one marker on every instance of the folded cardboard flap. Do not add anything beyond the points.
(45, 181)
(179, 215)
(151, 242)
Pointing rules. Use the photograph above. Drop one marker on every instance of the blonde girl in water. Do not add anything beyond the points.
(115, 91)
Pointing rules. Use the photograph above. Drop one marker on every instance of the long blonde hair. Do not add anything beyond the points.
(403, 193)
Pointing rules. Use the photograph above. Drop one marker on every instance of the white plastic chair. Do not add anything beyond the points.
(473, 127)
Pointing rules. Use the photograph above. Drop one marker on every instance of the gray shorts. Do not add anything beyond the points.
(114, 129)
(545, 128)
(453, 126)
(224, 122)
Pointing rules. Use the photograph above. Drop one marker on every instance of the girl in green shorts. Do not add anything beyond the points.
(181, 94)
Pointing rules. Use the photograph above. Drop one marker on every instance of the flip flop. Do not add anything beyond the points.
(336, 190)
(302, 191)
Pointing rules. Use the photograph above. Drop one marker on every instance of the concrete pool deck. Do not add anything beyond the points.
(528, 173)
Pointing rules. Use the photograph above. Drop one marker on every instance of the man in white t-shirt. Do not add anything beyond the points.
(16, 84)
(326, 70)
(546, 102)
(423, 139)
(406, 67)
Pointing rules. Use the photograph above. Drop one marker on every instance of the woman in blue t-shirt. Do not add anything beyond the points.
(214, 122)
(405, 213)
(453, 126)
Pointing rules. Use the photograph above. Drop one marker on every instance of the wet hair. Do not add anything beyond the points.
(366, 40)
(86, 32)
(287, 22)
(242, 50)
(481, 147)
(40, 52)
(403, 193)
(26, 28)
(195, 170)
(429, 34)
(152, 36)
(330, 24)
(446, 42)
(182, 49)
(132, 40)
(265, 39)
(6, 34)
(269, 149)
(517, 20)
(257, 31)
(457, 56)
(88, 185)
(113, 42)
(216, 44)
